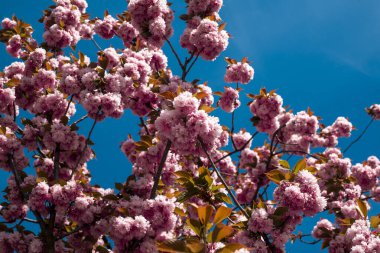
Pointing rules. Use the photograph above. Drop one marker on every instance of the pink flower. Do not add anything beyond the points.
(301, 196)
(127, 33)
(185, 103)
(105, 28)
(242, 138)
(240, 72)
(374, 111)
(229, 101)
(342, 127)
(260, 222)
(7, 23)
(365, 175)
(204, 7)
(323, 229)
(266, 108)
(208, 40)
(152, 19)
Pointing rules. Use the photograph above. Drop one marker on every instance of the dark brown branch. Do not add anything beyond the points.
(222, 180)
(68, 104)
(40, 220)
(144, 125)
(295, 151)
(157, 176)
(237, 150)
(175, 53)
(14, 111)
(80, 120)
(271, 149)
(233, 129)
(187, 71)
(96, 44)
(86, 145)
(56, 161)
(359, 137)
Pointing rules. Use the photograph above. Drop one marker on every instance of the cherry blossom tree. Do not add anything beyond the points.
(196, 185)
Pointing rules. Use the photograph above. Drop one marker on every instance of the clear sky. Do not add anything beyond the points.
(323, 54)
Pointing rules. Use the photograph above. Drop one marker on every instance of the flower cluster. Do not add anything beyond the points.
(358, 238)
(151, 219)
(267, 107)
(187, 125)
(204, 8)
(63, 24)
(152, 18)
(374, 111)
(239, 72)
(301, 196)
(229, 101)
(203, 35)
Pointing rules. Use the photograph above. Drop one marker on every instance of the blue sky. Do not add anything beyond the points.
(322, 54)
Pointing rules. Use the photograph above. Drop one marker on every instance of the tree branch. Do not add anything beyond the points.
(56, 161)
(144, 125)
(80, 120)
(157, 176)
(86, 145)
(237, 150)
(185, 71)
(222, 180)
(96, 44)
(175, 53)
(359, 137)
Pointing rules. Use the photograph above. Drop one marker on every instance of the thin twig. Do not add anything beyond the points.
(56, 161)
(295, 151)
(86, 144)
(233, 129)
(144, 125)
(96, 44)
(238, 150)
(175, 53)
(157, 176)
(80, 120)
(223, 181)
(40, 220)
(14, 111)
(359, 137)
(271, 149)
(68, 104)
(187, 71)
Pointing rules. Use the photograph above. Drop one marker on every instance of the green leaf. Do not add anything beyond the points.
(195, 225)
(375, 221)
(301, 164)
(204, 213)
(179, 212)
(362, 207)
(183, 174)
(275, 176)
(284, 164)
(195, 246)
(111, 197)
(188, 194)
(325, 243)
(119, 186)
(230, 248)
(173, 247)
(220, 232)
(101, 249)
(225, 198)
(221, 214)
(280, 211)
(206, 108)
